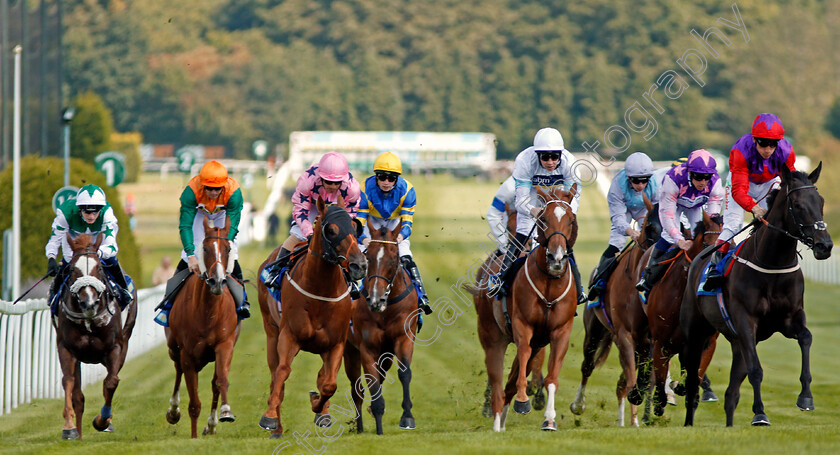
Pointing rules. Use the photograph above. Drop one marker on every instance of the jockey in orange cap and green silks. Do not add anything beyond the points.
(216, 195)
(88, 213)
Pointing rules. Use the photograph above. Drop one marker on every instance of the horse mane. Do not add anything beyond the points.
(699, 228)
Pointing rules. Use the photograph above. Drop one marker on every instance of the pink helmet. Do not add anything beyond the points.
(333, 167)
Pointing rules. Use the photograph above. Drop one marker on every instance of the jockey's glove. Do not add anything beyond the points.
(52, 267)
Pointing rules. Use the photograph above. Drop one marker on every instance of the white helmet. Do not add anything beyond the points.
(90, 195)
(548, 139)
(638, 165)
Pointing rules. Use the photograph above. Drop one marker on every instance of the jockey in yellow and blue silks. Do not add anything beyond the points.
(388, 200)
(88, 213)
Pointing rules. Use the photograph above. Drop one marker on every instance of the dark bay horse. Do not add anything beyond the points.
(383, 330)
(543, 302)
(89, 329)
(763, 294)
(203, 328)
(621, 320)
(316, 311)
(663, 309)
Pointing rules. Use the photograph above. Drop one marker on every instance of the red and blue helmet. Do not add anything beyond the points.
(701, 162)
(768, 126)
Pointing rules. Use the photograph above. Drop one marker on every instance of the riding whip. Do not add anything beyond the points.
(30, 289)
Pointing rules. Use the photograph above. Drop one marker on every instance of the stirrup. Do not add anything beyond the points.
(355, 292)
(244, 311)
(162, 318)
(424, 305)
(642, 286)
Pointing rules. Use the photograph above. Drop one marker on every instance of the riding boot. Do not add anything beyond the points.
(423, 301)
(655, 268)
(124, 295)
(581, 295)
(496, 283)
(602, 272)
(714, 279)
(55, 288)
(182, 272)
(271, 271)
(237, 289)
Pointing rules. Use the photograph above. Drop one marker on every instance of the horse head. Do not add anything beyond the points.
(383, 257)
(557, 227)
(337, 242)
(215, 255)
(705, 233)
(802, 215)
(651, 228)
(86, 280)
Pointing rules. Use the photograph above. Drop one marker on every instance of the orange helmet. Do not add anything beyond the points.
(213, 173)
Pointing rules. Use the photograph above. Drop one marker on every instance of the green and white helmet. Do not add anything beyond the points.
(90, 195)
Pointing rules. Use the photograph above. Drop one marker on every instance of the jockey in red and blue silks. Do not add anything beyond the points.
(754, 164)
(685, 190)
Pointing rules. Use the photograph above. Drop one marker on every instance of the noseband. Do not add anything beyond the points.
(818, 225)
(389, 282)
(553, 233)
(340, 218)
(83, 282)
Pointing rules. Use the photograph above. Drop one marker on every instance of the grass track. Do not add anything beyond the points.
(449, 376)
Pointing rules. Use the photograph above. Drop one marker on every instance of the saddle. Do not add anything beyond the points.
(724, 267)
(299, 251)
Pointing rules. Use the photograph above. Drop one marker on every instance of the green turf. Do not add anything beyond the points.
(449, 377)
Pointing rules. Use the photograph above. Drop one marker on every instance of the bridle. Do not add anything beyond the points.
(548, 237)
(204, 275)
(329, 247)
(389, 282)
(817, 226)
(83, 282)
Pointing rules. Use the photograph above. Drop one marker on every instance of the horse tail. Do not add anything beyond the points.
(472, 288)
(602, 351)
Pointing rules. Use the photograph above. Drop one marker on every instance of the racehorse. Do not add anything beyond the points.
(383, 328)
(316, 311)
(763, 294)
(89, 328)
(663, 308)
(543, 303)
(203, 328)
(621, 319)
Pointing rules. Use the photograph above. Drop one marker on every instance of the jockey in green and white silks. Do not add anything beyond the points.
(88, 213)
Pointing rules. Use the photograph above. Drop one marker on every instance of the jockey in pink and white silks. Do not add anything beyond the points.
(754, 164)
(685, 190)
(328, 179)
(626, 203)
(545, 164)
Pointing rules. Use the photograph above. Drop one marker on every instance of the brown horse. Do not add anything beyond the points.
(622, 320)
(543, 302)
(89, 329)
(763, 294)
(383, 329)
(663, 309)
(203, 328)
(316, 311)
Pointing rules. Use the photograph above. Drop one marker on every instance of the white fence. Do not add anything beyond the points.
(827, 271)
(29, 366)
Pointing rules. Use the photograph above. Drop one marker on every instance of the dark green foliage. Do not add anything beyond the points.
(91, 128)
(40, 178)
(832, 121)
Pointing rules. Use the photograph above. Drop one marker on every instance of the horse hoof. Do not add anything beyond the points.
(539, 400)
(101, 425)
(760, 420)
(805, 403)
(173, 417)
(659, 410)
(276, 435)
(407, 423)
(208, 430)
(268, 423)
(522, 407)
(678, 388)
(549, 425)
(487, 411)
(70, 434)
(323, 420)
(672, 399)
(635, 397)
(577, 409)
(708, 396)
(227, 416)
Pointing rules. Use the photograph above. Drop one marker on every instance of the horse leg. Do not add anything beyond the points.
(173, 414)
(327, 385)
(268, 421)
(404, 351)
(736, 376)
(559, 346)
(68, 382)
(78, 397)
(537, 382)
(644, 372)
(287, 348)
(660, 370)
(102, 422)
(213, 418)
(353, 370)
(755, 374)
(596, 347)
(627, 358)
(796, 329)
(224, 356)
(708, 393)
(494, 360)
(522, 335)
(373, 375)
(194, 409)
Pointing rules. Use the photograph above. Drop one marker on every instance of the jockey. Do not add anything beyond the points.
(327, 179)
(754, 163)
(545, 164)
(685, 190)
(387, 200)
(626, 203)
(497, 216)
(88, 213)
(212, 193)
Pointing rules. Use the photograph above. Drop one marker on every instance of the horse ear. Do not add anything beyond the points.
(543, 195)
(785, 173)
(98, 240)
(648, 204)
(340, 201)
(227, 226)
(396, 231)
(206, 222)
(322, 207)
(815, 174)
(574, 190)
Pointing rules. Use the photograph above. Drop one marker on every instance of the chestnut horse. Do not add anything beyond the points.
(663, 309)
(543, 302)
(622, 320)
(383, 330)
(316, 311)
(89, 328)
(203, 328)
(763, 294)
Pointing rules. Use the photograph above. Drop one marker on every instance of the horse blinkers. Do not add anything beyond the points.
(819, 229)
(336, 228)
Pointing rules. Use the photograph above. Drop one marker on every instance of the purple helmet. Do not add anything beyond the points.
(702, 162)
